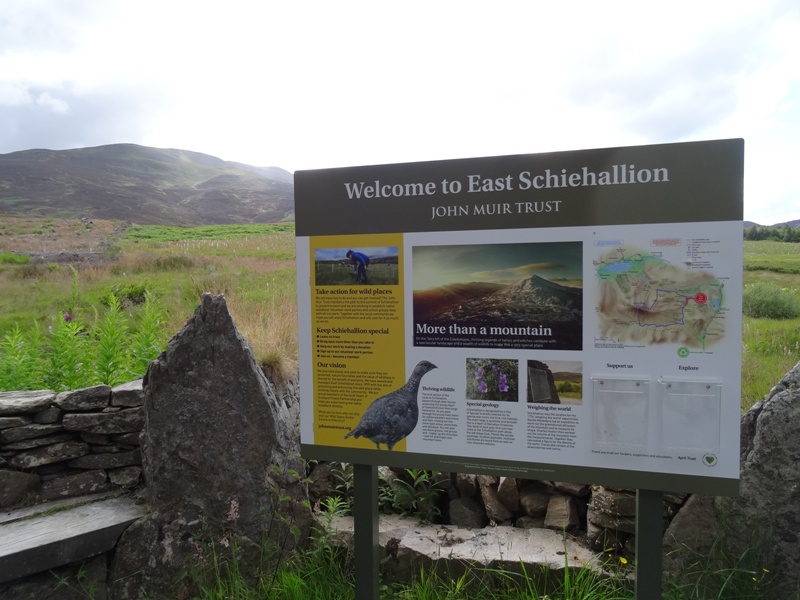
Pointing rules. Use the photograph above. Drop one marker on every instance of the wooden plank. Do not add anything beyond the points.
(47, 541)
(27, 512)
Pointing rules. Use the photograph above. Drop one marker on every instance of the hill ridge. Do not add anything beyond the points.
(142, 184)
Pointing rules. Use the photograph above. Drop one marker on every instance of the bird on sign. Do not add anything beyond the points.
(392, 417)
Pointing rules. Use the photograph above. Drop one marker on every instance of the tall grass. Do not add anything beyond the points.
(770, 348)
(326, 571)
(12, 258)
(256, 275)
(20, 367)
(771, 331)
(112, 359)
(718, 575)
(766, 300)
(73, 354)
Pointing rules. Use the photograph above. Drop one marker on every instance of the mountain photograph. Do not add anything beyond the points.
(526, 295)
(530, 313)
(143, 185)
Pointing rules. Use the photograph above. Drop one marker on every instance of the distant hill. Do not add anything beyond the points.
(148, 186)
(795, 223)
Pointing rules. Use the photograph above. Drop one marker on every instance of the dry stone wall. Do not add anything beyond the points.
(602, 517)
(69, 444)
(87, 441)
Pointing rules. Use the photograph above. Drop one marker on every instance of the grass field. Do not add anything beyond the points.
(770, 347)
(253, 265)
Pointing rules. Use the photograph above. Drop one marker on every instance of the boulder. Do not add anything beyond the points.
(765, 516)
(220, 456)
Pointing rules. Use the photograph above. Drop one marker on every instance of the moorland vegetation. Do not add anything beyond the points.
(158, 273)
(111, 305)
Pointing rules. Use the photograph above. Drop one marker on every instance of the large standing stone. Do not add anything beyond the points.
(765, 516)
(217, 442)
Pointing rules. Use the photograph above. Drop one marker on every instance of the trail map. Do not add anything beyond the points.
(645, 299)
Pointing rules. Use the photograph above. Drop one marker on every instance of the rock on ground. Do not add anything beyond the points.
(765, 517)
(217, 444)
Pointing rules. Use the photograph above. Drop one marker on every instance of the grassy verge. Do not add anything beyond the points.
(253, 266)
(770, 346)
(323, 571)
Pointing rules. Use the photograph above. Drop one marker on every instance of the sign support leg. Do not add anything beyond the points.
(649, 529)
(365, 530)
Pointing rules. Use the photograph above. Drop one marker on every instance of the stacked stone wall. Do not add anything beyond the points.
(86, 441)
(68, 444)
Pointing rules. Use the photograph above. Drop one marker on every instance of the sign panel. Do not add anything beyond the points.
(569, 316)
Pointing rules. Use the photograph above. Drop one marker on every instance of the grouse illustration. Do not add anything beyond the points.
(392, 417)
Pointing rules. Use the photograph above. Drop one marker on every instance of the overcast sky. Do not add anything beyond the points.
(305, 85)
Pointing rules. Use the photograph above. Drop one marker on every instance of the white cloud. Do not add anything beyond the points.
(57, 105)
(321, 84)
(13, 94)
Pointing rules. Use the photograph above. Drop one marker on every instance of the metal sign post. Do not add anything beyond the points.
(365, 530)
(619, 269)
(649, 528)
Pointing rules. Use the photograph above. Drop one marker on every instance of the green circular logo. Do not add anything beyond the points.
(710, 460)
(683, 352)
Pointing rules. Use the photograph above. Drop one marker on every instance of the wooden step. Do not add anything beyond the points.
(50, 535)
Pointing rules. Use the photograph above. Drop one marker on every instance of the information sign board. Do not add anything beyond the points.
(569, 316)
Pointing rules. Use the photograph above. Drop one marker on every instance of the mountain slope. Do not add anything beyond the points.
(531, 301)
(143, 185)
